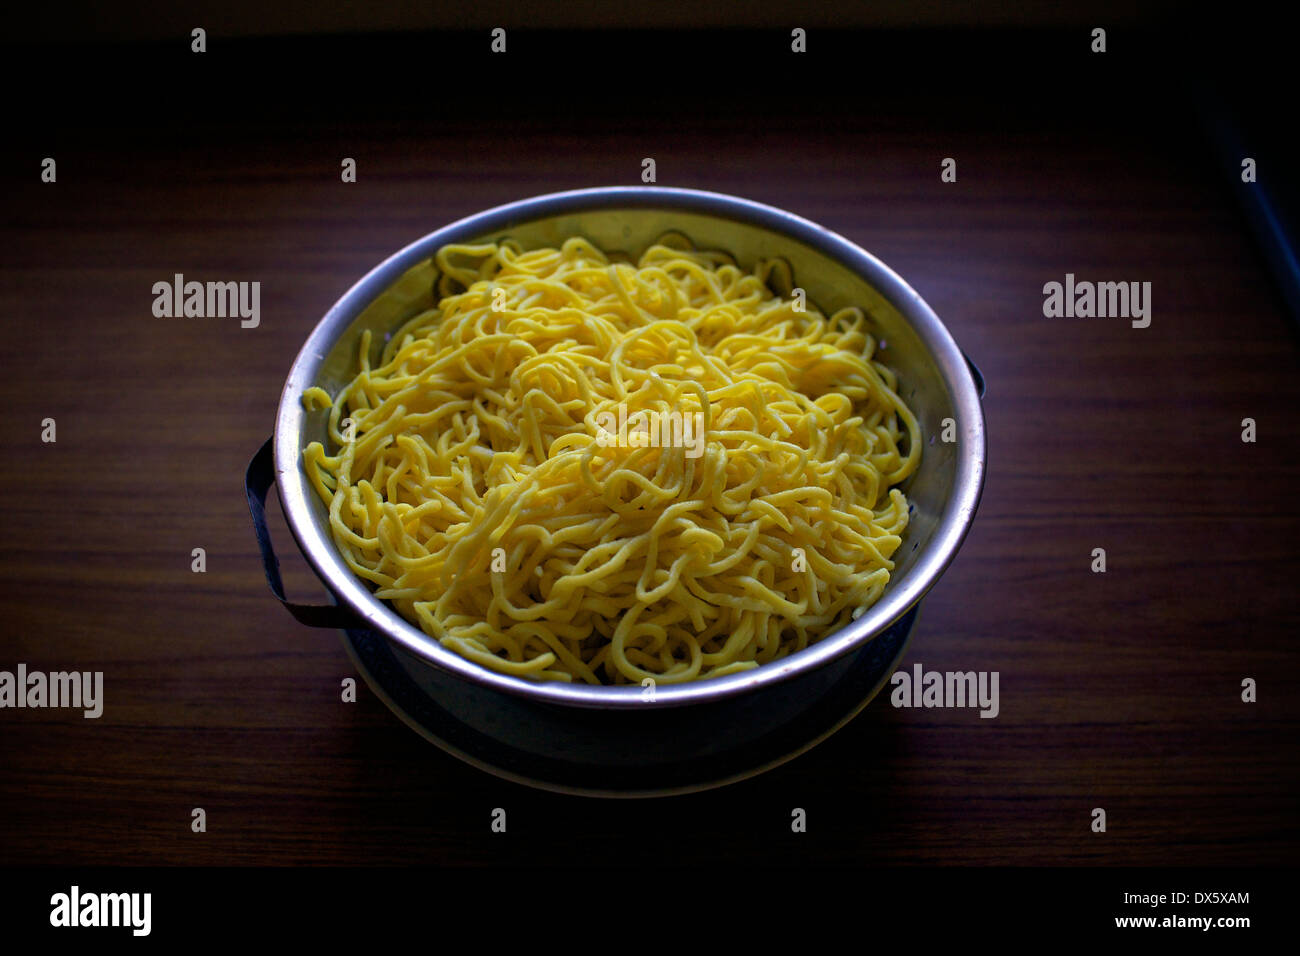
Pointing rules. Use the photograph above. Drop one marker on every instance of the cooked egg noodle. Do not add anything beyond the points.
(480, 429)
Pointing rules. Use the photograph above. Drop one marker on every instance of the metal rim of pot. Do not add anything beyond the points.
(279, 461)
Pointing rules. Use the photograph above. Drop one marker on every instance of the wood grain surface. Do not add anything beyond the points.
(1118, 690)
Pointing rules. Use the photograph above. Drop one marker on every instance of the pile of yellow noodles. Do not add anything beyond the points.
(473, 488)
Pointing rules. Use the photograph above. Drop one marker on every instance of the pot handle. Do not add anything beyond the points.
(257, 482)
(975, 373)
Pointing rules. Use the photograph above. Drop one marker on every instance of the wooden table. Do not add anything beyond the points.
(1119, 690)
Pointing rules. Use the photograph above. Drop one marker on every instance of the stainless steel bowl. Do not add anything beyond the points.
(934, 377)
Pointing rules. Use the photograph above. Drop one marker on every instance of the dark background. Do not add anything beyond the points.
(1118, 690)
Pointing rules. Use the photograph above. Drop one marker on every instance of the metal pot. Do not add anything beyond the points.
(936, 379)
